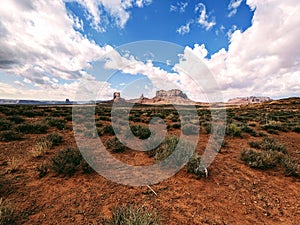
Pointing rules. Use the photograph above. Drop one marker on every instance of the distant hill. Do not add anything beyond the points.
(248, 100)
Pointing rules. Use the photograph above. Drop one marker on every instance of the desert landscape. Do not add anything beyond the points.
(253, 180)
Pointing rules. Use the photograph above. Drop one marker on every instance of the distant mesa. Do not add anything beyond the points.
(248, 100)
(117, 97)
(173, 96)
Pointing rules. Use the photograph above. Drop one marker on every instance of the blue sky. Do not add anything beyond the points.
(50, 48)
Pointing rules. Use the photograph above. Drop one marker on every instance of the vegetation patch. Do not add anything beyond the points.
(132, 215)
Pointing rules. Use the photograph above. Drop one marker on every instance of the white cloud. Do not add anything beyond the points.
(180, 7)
(264, 59)
(184, 29)
(34, 43)
(73, 91)
(233, 6)
(203, 17)
(117, 9)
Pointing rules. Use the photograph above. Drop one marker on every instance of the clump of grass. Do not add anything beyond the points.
(166, 148)
(42, 170)
(194, 166)
(45, 144)
(109, 130)
(290, 165)
(249, 130)
(9, 135)
(189, 129)
(142, 132)
(234, 130)
(36, 128)
(13, 165)
(5, 125)
(132, 215)
(16, 119)
(8, 214)
(67, 161)
(260, 159)
(60, 124)
(55, 139)
(115, 145)
(268, 144)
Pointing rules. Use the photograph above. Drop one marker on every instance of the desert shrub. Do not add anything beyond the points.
(67, 161)
(104, 118)
(132, 215)
(249, 130)
(9, 135)
(274, 126)
(115, 145)
(268, 144)
(142, 132)
(68, 118)
(296, 129)
(194, 166)
(290, 165)
(189, 129)
(166, 148)
(7, 213)
(234, 130)
(207, 127)
(176, 125)
(110, 130)
(5, 125)
(13, 165)
(36, 128)
(55, 139)
(60, 124)
(260, 159)
(42, 170)
(16, 119)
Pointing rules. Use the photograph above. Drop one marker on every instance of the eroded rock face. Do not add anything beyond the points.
(117, 97)
(248, 100)
(171, 94)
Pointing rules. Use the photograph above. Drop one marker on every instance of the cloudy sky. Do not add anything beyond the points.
(50, 49)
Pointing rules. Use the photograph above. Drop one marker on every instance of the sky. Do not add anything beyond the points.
(88, 49)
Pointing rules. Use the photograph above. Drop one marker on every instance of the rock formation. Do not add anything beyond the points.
(248, 100)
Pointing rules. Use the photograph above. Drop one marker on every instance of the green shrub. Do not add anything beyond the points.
(194, 166)
(296, 129)
(142, 132)
(9, 135)
(262, 159)
(55, 139)
(16, 119)
(189, 129)
(42, 170)
(7, 213)
(5, 125)
(67, 161)
(132, 215)
(37, 128)
(60, 124)
(234, 130)
(110, 130)
(249, 130)
(166, 148)
(115, 145)
(290, 165)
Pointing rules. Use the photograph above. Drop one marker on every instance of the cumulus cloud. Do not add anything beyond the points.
(233, 6)
(179, 7)
(203, 17)
(264, 59)
(41, 47)
(117, 9)
(184, 29)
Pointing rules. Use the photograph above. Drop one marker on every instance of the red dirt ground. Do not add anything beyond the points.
(232, 194)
